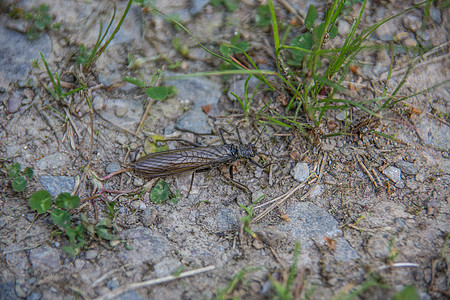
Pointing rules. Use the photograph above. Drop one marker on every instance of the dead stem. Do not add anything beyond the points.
(145, 284)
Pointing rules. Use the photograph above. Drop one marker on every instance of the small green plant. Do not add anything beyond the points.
(408, 293)
(102, 42)
(247, 101)
(18, 178)
(154, 92)
(57, 91)
(41, 201)
(175, 197)
(283, 290)
(225, 293)
(263, 16)
(231, 5)
(160, 192)
(39, 17)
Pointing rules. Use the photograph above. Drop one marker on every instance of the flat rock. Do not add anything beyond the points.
(17, 52)
(131, 112)
(195, 121)
(146, 244)
(199, 91)
(46, 258)
(393, 173)
(56, 185)
(307, 222)
(300, 172)
(53, 161)
(434, 133)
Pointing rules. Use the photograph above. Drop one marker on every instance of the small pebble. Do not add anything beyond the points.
(300, 172)
(112, 167)
(138, 181)
(393, 173)
(13, 104)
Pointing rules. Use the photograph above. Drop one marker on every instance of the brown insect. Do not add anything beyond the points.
(199, 158)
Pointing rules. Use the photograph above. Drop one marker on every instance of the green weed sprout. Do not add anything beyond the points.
(18, 178)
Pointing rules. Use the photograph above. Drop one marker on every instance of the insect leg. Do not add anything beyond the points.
(239, 136)
(231, 171)
(190, 186)
(221, 136)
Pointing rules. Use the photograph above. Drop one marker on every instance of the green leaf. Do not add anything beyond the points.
(14, 170)
(408, 293)
(134, 81)
(303, 41)
(61, 218)
(160, 192)
(157, 92)
(19, 184)
(102, 229)
(41, 201)
(318, 31)
(242, 45)
(66, 201)
(215, 2)
(333, 31)
(172, 90)
(263, 16)
(71, 251)
(310, 17)
(231, 5)
(225, 50)
(28, 172)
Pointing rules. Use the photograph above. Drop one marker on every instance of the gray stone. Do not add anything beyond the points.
(45, 258)
(146, 244)
(130, 295)
(130, 120)
(300, 172)
(344, 252)
(197, 6)
(166, 267)
(56, 185)
(148, 216)
(307, 222)
(17, 52)
(433, 133)
(393, 173)
(13, 104)
(199, 91)
(22, 288)
(195, 121)
(412, 23)
(407, 167)
(53, 161)
(34, 296)
(227, 219)
(131, 30)
(112, 284)
(91, 254)
(435, 14)
(7, 290)
(112, 167)
(342, 115)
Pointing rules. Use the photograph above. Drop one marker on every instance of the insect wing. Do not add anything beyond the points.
(182, 160)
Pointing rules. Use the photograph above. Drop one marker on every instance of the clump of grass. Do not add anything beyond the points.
(310, 71)
(39, 18)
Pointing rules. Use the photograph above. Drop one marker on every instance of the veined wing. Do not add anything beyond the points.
(181, 160)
